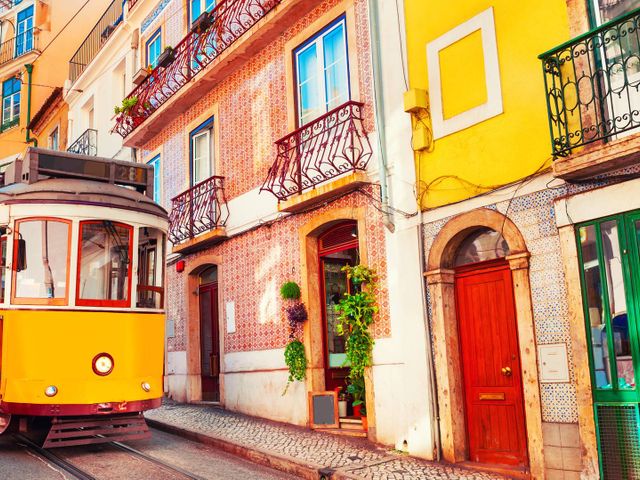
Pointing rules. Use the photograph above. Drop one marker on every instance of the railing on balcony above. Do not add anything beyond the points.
(219, 30)
(324, 149)
(8, 4)
(19, 45)
(593, 85)
(86, 144)
(132, 3)
(98, 36)
(200, 209)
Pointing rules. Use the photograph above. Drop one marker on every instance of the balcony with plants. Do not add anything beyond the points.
(219, 43)
(592, 86)
(198, 216)
(325, 158)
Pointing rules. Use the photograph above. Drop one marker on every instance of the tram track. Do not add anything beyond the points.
(79, 473)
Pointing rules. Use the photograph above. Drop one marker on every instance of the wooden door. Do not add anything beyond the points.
(491, 365)
(209, 342)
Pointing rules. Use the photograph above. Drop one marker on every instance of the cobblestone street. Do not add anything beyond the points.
(344, 456)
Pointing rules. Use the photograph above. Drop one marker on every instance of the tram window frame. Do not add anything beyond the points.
(158, 247)
(61, 301)
(95, 302)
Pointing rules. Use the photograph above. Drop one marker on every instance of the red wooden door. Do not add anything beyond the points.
(209, 342)
(491, 365)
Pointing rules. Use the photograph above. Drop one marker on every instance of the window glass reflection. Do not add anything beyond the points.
(151, 244)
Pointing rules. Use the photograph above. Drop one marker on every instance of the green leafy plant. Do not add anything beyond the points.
(296, 360)
(127, 105)
(356, 390)
(290, 291)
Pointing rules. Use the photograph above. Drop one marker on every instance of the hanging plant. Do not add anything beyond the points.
(296, 314)
(296, 360)
(127, 105)
(290, 291)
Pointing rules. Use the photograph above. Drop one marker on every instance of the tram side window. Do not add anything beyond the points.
(3, 266)
(151, 268)
(42, 272)
(104, 263)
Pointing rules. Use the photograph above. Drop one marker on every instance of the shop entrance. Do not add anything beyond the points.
(336, 248)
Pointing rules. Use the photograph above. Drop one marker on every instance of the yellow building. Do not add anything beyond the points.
(37, 38)
(515, 108)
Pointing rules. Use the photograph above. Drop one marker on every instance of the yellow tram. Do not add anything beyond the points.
(81, 297)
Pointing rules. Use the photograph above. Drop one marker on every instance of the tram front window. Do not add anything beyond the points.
(150, 268)
(42, 273)
(105, 263)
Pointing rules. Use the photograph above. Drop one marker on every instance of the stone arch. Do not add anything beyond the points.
(444, 325)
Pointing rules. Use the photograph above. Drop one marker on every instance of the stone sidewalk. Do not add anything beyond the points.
(299, 451)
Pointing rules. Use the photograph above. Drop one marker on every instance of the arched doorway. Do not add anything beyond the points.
(209, 334)
(337, 247)
(445, 271)
(490, 357)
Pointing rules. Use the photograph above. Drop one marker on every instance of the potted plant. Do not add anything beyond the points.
(356, 390)
(166, 57)
(127, 105)
(296, 314)
(140, 76)
(201, 23)
(296, 359)
(290, 291)
(342, 402)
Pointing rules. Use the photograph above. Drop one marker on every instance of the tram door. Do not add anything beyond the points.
(209, 335)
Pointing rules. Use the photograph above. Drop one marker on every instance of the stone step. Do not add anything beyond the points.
(343, 431)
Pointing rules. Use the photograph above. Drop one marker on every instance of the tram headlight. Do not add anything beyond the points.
(102, 364)
(51, 391)
(145, 386)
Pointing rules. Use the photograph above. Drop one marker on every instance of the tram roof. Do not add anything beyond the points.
(48, 176)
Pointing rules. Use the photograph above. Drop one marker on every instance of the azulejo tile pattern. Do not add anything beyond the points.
(149, 19)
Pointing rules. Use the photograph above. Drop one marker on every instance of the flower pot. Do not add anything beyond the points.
(201, 23)
(165, 58)
(365, 423)
(140, 76)
(342, 408)
(356, 410)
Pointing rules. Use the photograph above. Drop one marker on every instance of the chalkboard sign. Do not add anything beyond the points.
(323, 409)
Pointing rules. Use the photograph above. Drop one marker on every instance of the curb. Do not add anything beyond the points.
(266, 458)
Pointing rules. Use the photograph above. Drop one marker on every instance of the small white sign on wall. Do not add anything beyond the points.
(554, 365)
(230, 312)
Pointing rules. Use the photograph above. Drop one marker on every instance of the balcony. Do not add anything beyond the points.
(86, 144)
(98, 36)
(18, 46)
(226, 39)
(198, 216)
(592, 86)
(6, 5)
(327, 157)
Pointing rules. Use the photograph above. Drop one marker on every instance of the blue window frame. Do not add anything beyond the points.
(154, 48)
(24, 31)
(10, 102)
(157, 179)
(322, 72)
(198, 7)
(201, 152)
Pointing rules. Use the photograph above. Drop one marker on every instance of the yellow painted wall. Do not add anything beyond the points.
(504, 148)
(52, 67)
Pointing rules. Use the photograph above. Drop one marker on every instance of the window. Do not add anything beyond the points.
(202, 152)
(3, 266)
(157, 179)
(605, 10)
(24, 31)
(54, 139)
(198, 7)
(10, 103)
(41, 261)
(104, 266)
(154, 48)
(151, 268)
(322, 72)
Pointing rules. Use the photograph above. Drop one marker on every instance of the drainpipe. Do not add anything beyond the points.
(29, 139)
(376, 62)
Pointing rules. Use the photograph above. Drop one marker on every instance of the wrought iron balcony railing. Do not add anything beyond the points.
(200, 209)
(86, 144)
(592, 85)
(20, 45)
(326, 148)
(98, 36)
(132, 3)
(222, 27)
(8, 4)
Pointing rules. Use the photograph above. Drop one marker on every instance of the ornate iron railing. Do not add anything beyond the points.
(200, 209)
(323, 149)
(132, 3)
(225, 24)
(20, 45)
(592, 85)
(86, 144)
(98, 36)
(8, 4)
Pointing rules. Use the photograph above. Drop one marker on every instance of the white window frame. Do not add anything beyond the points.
(208, 132)
(54, 134)
(155, 163)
